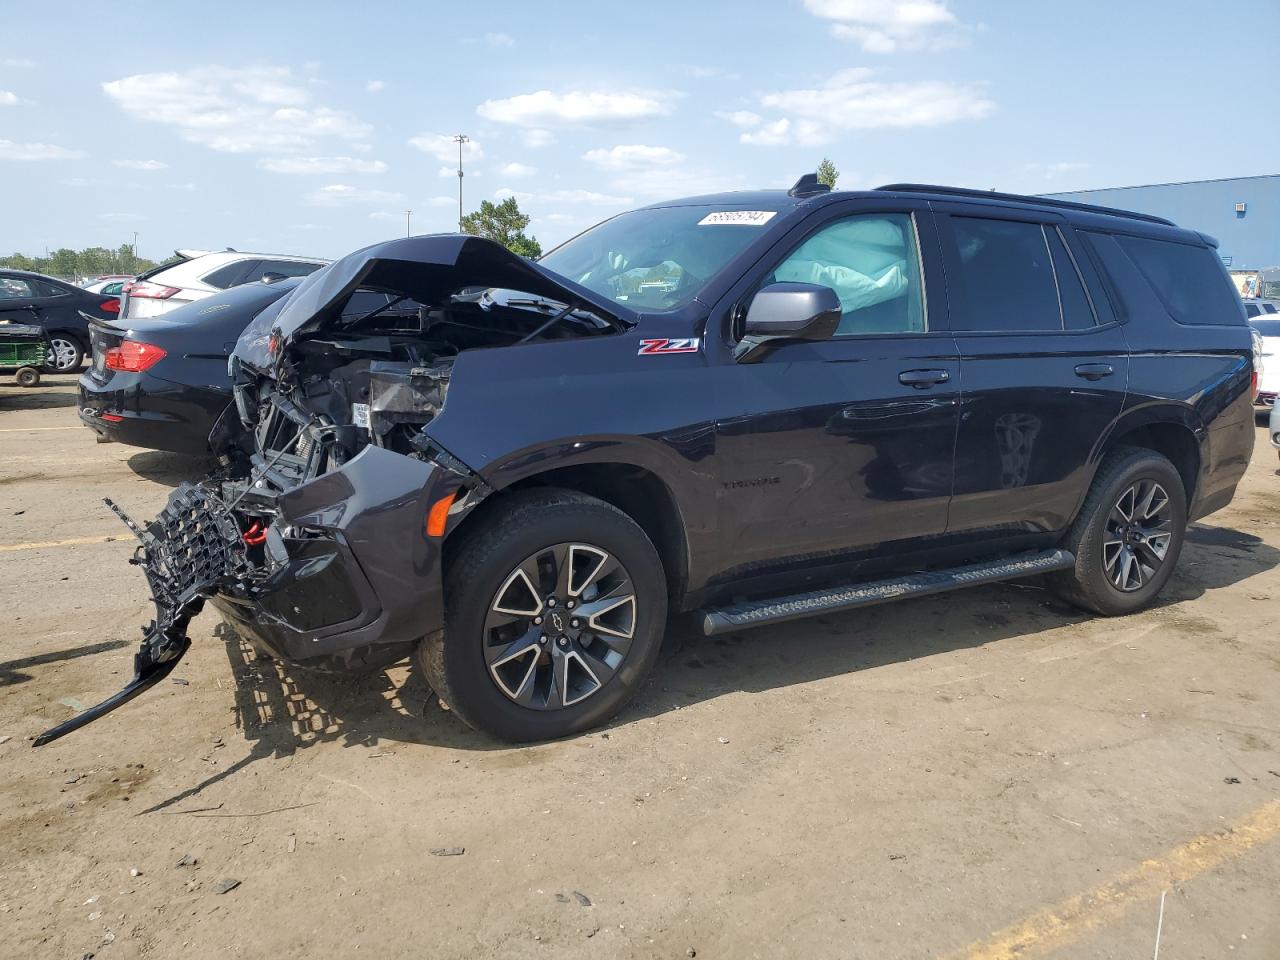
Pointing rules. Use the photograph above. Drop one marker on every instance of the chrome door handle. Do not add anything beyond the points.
(1094, 371)
(923, 379)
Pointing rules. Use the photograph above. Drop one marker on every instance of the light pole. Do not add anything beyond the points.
(460, 139)
(407, 215)
(135, 245)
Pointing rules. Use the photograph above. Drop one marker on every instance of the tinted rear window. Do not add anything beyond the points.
(1005, 277)
(1189, 280)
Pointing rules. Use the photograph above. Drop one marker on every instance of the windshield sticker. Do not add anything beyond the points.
(661, 345)
(744, 218)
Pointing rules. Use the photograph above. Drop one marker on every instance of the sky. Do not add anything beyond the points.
(310, 128)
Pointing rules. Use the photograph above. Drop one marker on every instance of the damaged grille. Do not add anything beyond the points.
(192, 547)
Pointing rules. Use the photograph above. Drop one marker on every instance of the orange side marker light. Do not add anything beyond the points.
(438, 515)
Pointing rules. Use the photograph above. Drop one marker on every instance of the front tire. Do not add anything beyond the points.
(554, 613)
(1128, 535)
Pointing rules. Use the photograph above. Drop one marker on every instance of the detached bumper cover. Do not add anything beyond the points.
(336, 564)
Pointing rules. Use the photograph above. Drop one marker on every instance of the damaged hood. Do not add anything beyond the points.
(428, 269)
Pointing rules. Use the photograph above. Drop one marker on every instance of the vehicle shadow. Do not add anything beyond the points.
(11, 670)
(169, 469)
(43, 397)
(281, 710)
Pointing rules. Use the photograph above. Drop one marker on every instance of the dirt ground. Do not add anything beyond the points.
(984, 774)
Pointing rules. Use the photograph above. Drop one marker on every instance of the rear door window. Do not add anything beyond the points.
(1189, 280)
(1003, 277)
(13, 288)
(233, 274)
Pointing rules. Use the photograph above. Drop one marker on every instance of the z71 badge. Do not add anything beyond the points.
(649, 348)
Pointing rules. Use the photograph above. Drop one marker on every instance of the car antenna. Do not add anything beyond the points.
(808, 186)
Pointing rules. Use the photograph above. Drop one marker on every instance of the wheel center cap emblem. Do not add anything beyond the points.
(557, 621)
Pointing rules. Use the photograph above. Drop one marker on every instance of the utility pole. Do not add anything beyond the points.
(407, 215)
(135, 248)
(460, 139)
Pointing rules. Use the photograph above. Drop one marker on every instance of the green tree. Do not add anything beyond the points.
(827, 173)
(504, 223)
(92, 261)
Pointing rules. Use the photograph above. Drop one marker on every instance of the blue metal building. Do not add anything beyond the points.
(1243, 213)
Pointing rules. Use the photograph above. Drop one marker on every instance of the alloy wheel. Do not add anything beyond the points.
(1138, 533)
(560, 626)
(62, 354)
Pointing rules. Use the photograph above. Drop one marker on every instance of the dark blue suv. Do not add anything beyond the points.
(759, 406)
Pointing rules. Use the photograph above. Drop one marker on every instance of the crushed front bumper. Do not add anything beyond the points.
(329, 571)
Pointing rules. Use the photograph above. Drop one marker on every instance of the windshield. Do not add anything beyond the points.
(657, 259)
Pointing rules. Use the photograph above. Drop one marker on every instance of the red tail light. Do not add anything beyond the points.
(132, 356)
(147, 290)
(110, 306)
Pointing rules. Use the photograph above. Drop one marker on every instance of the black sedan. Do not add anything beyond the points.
(162, 383)
(58, 309)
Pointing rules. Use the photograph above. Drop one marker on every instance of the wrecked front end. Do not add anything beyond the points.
(319, 537)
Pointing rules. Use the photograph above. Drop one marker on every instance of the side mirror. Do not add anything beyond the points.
(271, 277)
(783, 312)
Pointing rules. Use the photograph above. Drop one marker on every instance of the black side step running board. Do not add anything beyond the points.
(741, 616)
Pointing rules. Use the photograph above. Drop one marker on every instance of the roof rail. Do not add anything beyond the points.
(1020, 198)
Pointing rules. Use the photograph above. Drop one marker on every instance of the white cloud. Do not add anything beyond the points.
(11, 150)
(341, 194)
(375, 86)
(147, 165)
(244, 110)
(740, 118)
(301, 165)
(576, 108)
(517, 170)
(633, 156)
(852, 100)
(885, 26)
(447, 171)
(771, 134)
(538, 138)
(444, 148)
(8, 98)
(505, 192)
(559, 217)
(443, 201)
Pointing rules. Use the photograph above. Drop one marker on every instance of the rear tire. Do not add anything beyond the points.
(27, 377)
(555, 607)
(1127, 536)
(65, 354)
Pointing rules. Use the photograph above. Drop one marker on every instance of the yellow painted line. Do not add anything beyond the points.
(38, 429)
(43, 544)
(1054, 927)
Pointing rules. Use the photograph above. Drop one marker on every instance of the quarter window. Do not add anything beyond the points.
(1189, 280)
(1077, 314)
(872, 262)
(1005, 277)
(288, 268)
